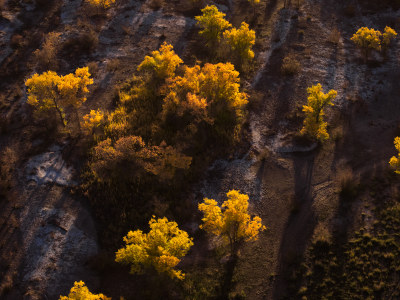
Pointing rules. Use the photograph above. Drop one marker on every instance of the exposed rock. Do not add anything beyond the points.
(49, 167)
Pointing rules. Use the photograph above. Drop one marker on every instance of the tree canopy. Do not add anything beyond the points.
(80, 292)
(50, 91)
(231, 220)
(314, 124)
(161, 248)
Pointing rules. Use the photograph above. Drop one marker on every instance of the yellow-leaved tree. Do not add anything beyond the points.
(314, 124)
(162, 63)
(49, 91)
(161, 248)
(80, 292)
(211, 94)
(370, 39)
(232, 220)
(241, 42)
(93, 120)
(213, 24)
(367, 39)
(101, 3)
(388, 35)
(395, 161)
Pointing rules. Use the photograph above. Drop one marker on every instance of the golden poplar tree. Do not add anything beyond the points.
(49, 91)
(241, 41)
(367, 39)
(232, 220)
(395, 161)
(210, 94)
(80, 292)
(213, 24)
(388, 35)
(162, 63)
(160, 249)
(314, 124)
(101, 3)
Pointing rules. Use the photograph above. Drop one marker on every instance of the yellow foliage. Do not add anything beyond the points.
(117, 124)
(213, 23)
(80, 292)
(101, 3)
(388, 35)
(395, 161)
(162, 63)
(232, 220)
(161, 248)
(241, 41)
(93, 120)
(49, 90)
(211, 94)
(129, 157)
(314, 124)
(367, 38)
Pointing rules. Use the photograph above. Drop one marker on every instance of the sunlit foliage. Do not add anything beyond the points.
(370, 39)
(101, 3)
(50, 91)
(210, 94)
(314, 124)
(241, 42)
(232, 220)
(395, 161)
(161, 64)
(93, 120)
(161, 248)
(213, 24)
(80, 292)
(129, 159)
(388, 35)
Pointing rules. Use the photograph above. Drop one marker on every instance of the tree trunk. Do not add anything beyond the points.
(59, 112)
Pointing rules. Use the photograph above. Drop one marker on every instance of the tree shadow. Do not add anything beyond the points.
(299, 228)
(227, 283)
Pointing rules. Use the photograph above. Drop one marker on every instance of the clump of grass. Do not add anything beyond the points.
(290, 65)
(334, 36)
(93, 68)
(47, 56)
(349, 185)
(113, 65)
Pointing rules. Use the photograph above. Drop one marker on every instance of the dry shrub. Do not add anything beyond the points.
(113, 65)
(290, 65)
(83, 41)
(349, 184)
(8, 158)
(156, 4)
(46, 58)
(334, 36)
(17, 41)
(93, 68)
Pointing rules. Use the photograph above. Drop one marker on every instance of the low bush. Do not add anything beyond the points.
(290, 65)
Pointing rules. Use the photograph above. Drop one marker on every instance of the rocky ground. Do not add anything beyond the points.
(47, 234)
